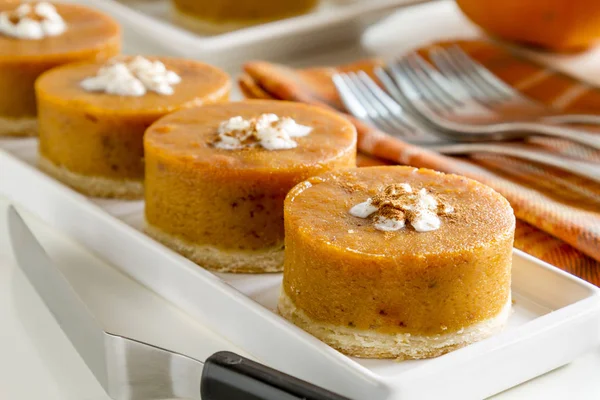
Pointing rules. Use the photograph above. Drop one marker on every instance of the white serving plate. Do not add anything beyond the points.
(556, 316)
(333, 22)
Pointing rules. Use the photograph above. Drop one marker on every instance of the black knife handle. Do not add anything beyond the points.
(228, 376)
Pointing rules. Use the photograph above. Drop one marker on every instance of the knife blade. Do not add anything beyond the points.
(133, 370)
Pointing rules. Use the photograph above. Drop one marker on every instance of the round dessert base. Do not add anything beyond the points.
(95, 186)
(218, 260)
(18, 127)
(402, 346)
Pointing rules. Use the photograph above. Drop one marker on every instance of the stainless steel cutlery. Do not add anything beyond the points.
(438, 109)
(490, 91)
(368, 102)
(448, 108)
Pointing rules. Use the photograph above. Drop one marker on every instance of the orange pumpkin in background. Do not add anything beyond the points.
(560, 25)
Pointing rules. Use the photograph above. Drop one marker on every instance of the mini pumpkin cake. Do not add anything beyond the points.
(397, 262)
(217, 176)
(35, 37)
(215, 16)
(92, 117)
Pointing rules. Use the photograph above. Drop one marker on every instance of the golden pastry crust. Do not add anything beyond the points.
(94, 186)
(244, 262)
(400, 346)
(22, 127)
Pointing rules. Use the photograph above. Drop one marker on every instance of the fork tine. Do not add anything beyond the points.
(423, 105)
(383, 97)
(512, 94)
(395, 109)
(354, 100)
(423, 132)
(374, 114)
(353, 105)
(391, 87)
(360, 98)
(386, 114)
(408, 89)
(428, 90)
(424, 73)
(438, 58)
(492, 128)
(390, 83)
(486, 76)
(416, 94)
(396, 93)
(446, 89)
(469, 68)
(448, 66)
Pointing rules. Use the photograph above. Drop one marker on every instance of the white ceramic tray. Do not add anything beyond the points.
(556, 316)
(333, 22)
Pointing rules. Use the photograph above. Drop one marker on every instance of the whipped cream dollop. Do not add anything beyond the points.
(32, 22)
(267, 130)
(398, 204)
(133, 78)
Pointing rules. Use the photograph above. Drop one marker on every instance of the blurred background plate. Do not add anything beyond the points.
(334, 21)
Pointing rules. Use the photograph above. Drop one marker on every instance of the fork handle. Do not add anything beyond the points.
(576, 135)
(583, 119)
(582, 168)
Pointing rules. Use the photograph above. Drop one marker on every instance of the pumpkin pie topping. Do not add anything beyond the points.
(268, 131)
(396, 204)
(32, 22)
(133, 78)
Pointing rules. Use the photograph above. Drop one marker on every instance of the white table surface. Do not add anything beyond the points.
(38, 362)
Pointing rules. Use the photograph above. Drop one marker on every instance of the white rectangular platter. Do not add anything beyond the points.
(333, 22)
(556, 316)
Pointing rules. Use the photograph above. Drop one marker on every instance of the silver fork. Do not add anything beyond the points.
(435, 100)
(368, 102)
(491, 91)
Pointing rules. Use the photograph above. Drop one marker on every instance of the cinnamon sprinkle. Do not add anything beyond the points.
(397, 203)
(267, 130)
(17, 15)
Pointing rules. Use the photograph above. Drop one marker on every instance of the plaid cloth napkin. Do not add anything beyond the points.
(558, 213)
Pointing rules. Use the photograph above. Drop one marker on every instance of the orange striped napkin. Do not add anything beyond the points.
(558, 213)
